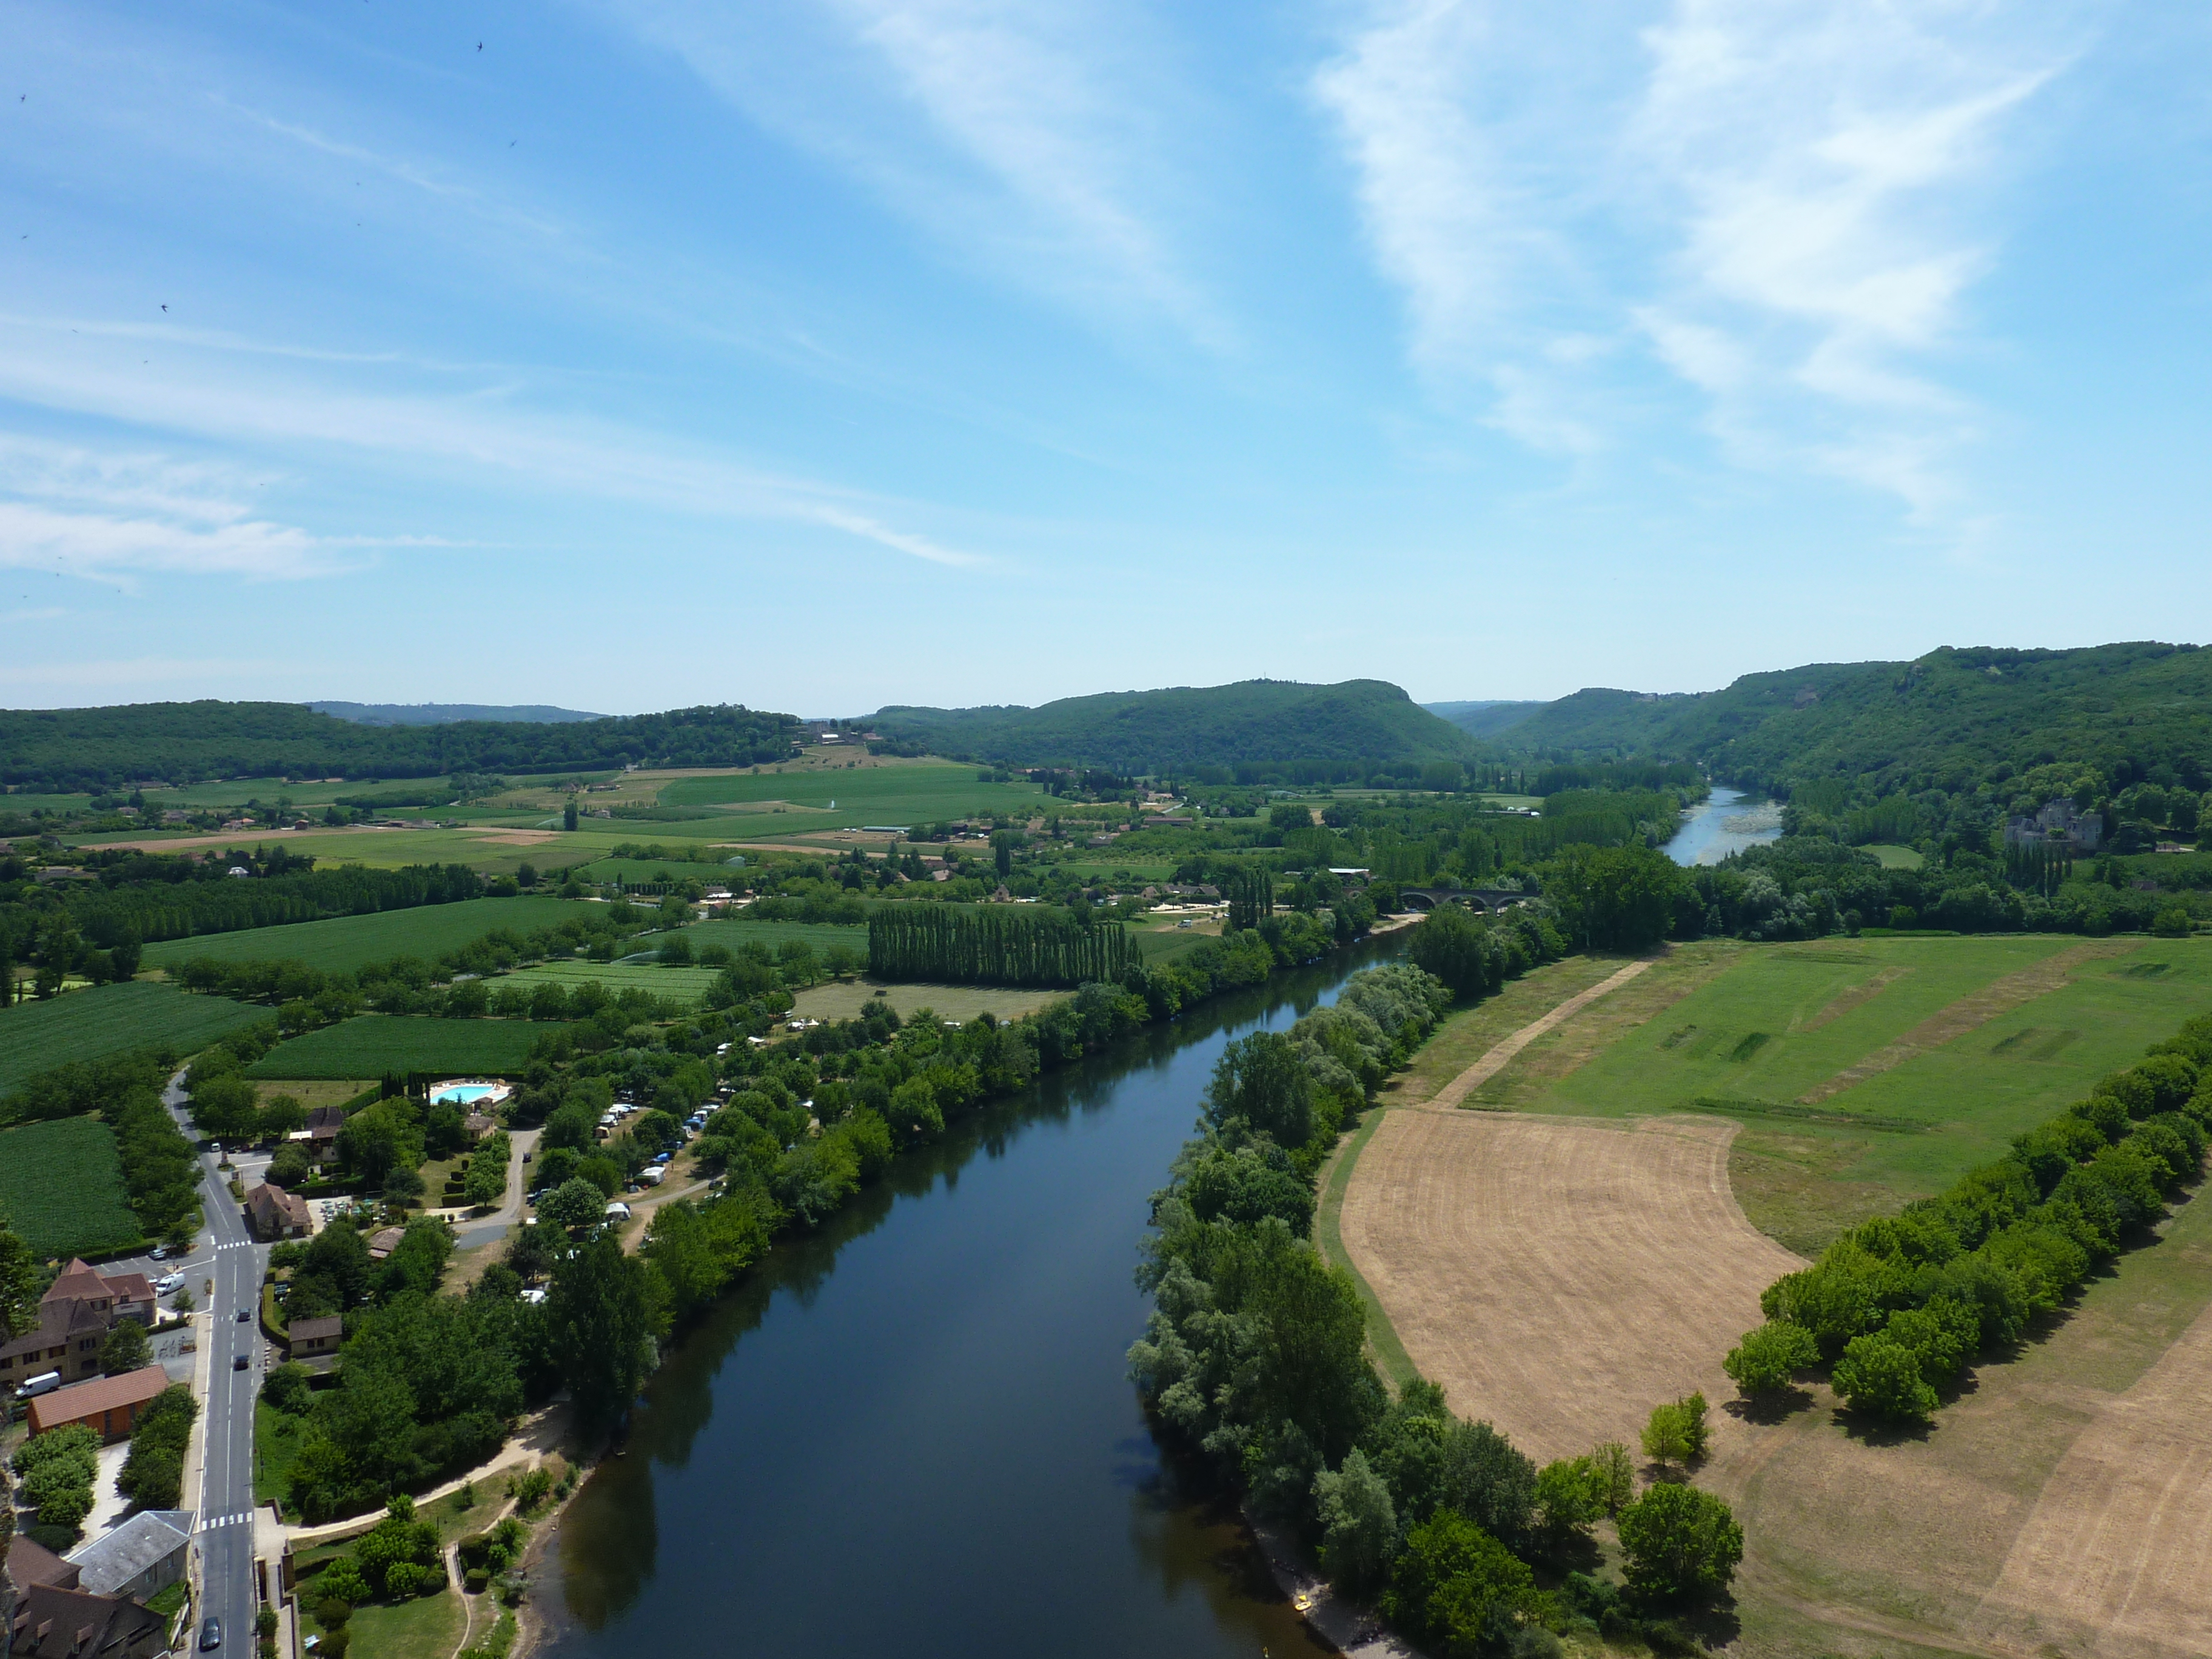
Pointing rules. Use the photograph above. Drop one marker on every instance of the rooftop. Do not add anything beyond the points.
(102, 1393)
(109, 1563)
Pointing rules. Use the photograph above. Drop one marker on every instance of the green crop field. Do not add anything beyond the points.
(109, 1019)
(346, 942)
(373, 1044)
(61, 1188)
(686, 985)
(819, 934)
(912, 793)
(1778, 1037)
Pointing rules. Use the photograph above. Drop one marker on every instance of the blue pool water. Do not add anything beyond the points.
(463, 1094)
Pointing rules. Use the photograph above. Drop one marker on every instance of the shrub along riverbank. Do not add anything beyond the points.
(1904, 1304)
(1254, 1358)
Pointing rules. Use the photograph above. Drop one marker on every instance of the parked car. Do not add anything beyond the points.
(166, 1283)
(161, 1252)
(44, 1382)
(210, 1634)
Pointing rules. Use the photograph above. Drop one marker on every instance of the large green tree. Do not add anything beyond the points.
(1614, 898)
(603, 1315)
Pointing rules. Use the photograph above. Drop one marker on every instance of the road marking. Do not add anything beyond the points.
(215, 1520)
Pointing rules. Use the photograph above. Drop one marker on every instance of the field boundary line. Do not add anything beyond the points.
(1448, 1097)
(1970, 1013)
(1328, 1238)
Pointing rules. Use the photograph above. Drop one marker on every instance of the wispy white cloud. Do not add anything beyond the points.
(1831, 164)
(76, 511)
(236, 398)
(1039, 140)
(1786, 201)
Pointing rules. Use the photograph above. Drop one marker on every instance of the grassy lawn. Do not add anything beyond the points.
(61, 1188)
(428, 1627)
(1895, 858)
(312, 1092)
(680, 984)
(346, 942)
(373, 1044)
(960, 1002)
(276, 1448)
(110, 1020)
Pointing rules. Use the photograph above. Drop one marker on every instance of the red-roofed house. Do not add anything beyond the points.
(109, 1406)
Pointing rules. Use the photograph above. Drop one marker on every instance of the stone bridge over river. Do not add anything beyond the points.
(1484, 900)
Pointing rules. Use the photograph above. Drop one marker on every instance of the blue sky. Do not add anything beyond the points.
(818, 354)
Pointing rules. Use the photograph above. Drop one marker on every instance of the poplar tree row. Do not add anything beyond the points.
(1251, 895)
(997, 946)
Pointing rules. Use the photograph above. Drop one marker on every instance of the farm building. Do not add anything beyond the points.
(109, 1406)
(140, 1558)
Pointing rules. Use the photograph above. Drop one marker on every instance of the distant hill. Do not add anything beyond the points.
(1184, 728)
(92, 750)
(446, 713)
(1484, 720)
(1954, 721)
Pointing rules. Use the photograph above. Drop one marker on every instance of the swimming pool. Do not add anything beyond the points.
(466, 1094)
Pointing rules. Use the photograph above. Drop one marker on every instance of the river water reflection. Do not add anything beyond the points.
(912, 1434)
(1727, 823)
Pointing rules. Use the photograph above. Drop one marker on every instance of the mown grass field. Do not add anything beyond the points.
(1866, 1073)
(373, 1044)
(344, 942)
(110, 1020)
(842, 1000)
(1895, 858)
(686, 985)
(61, 1188)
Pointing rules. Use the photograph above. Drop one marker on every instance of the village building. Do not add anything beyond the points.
(271, 1213)
(140, 1558)
(109, 1406)
(74, 1318)
(53, 1622)
(309, 1339)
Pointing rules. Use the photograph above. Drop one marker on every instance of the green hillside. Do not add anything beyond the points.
(1484, 720)
(60, 750)
(1956, 721)
(1186, 727)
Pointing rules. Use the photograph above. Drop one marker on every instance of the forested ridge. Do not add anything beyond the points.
(1955, 723)
(1184, 728)
(76, 750)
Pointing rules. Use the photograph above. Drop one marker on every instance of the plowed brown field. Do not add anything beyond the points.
(1560, 1277)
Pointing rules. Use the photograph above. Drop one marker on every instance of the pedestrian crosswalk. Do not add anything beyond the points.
(210, 1522)
(235, 1244)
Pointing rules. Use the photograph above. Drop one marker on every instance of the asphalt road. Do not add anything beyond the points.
(224, 1522)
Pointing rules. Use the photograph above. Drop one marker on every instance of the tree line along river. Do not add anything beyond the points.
(911, 1432)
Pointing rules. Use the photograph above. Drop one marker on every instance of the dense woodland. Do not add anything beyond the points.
(65, 750)
(1966, 735)
(1173, 732)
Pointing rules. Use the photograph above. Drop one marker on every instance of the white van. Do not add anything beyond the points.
(44, 1382)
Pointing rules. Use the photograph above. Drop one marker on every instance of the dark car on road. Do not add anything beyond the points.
(210, 1634)
(240, 1363)
(245, 1314)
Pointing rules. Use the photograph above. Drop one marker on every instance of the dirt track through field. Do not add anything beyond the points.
(1499, 1057)
(1560, 1277)
(1857, 997)
(1999, 997)
(2121, 1539)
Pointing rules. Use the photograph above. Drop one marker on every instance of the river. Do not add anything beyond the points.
(1728, 822)
(911, 1432)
